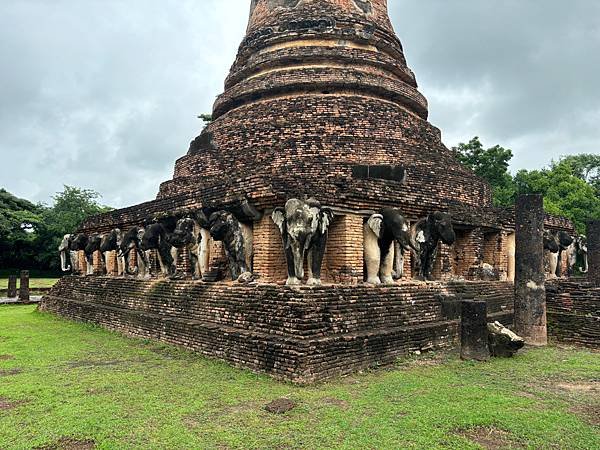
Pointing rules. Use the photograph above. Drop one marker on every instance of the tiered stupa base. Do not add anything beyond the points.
(301, 335)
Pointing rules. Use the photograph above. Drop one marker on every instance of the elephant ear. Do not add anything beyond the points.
(278, 217)
(375, 223)
(326, 219)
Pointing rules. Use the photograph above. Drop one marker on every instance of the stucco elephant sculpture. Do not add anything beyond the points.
(386, 238)
(304, 228)
(188, 236)
(426, 235)
(68, 257)
(77, 243)
(132, 242)
(111, 242)
(237, 240)
(93, 246)
(576, 252)
(555, 243)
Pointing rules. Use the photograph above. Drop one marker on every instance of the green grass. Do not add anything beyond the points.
(80, 382)
(34, 283)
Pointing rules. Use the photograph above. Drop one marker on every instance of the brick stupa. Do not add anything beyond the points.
(319, 102)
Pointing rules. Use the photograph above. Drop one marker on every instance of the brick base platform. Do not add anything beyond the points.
(574, 312)
(301, 335)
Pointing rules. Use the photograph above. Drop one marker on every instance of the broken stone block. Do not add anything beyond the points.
(503, 342)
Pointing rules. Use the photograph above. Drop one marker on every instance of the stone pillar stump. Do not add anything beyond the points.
(530, 289)
(474, 331)
(593, 244)
(24, 287)
(12, 286)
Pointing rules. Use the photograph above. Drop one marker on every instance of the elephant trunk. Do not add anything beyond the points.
(298, 252)
(63, 261)
(585, 263)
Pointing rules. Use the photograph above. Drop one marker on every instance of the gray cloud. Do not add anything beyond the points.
(105, 94)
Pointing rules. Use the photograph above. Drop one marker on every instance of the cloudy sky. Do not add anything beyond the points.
(104, 94)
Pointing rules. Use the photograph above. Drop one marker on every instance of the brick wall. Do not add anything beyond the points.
(301, 334)
(574, 312)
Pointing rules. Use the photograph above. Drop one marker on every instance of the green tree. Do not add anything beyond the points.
(19, 222)
(71, 207)
(566, 193)
(492, 165)
(587, 167)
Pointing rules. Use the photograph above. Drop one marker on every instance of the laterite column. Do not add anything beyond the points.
(593, 244)
(24, 287)
(530, 289)
(474, 331)
(12, 286)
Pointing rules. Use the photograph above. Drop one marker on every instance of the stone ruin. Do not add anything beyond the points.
(317, 226)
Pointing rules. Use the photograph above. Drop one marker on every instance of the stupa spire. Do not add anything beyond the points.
(326, 46)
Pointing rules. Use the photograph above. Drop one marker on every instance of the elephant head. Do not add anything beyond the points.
(236, 237)
(65, 253)
(188, 236)
(386, 238)
(425, 237)
(304, 227)
(550, 242)
(440, 227)
(556, 243)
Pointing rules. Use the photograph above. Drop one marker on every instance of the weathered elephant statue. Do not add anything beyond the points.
(132, 242)
(576, 252)
(68, 257)
(93, 246)
(304, 228)
(426, 235)
(386, 237)
(237, 241)
(555, 243)
(188, 236)
(77, 243)
(111, 242)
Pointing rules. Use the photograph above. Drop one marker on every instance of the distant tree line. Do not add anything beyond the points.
(570, 186)
(31, 233)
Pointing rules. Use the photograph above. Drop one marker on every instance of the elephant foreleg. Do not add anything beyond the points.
(89, 260)
(372, 255)
(194, 253)
(74, 262)
(120, 264)
(387, 264)
(144, 264)
(204, 255)
(315, 260)
(398, 272)
(292, 278)
(553, 264)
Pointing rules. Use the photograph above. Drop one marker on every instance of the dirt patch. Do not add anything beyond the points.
(5, 404)
(589, 413)
(70, 444)
(6, 357)
(342, 404)
(90, 364)
(280, 406)
(9, 372)
(490, 438)
(580, 386)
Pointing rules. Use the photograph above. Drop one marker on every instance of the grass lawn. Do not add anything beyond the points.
(70, 385)
(34, 283)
